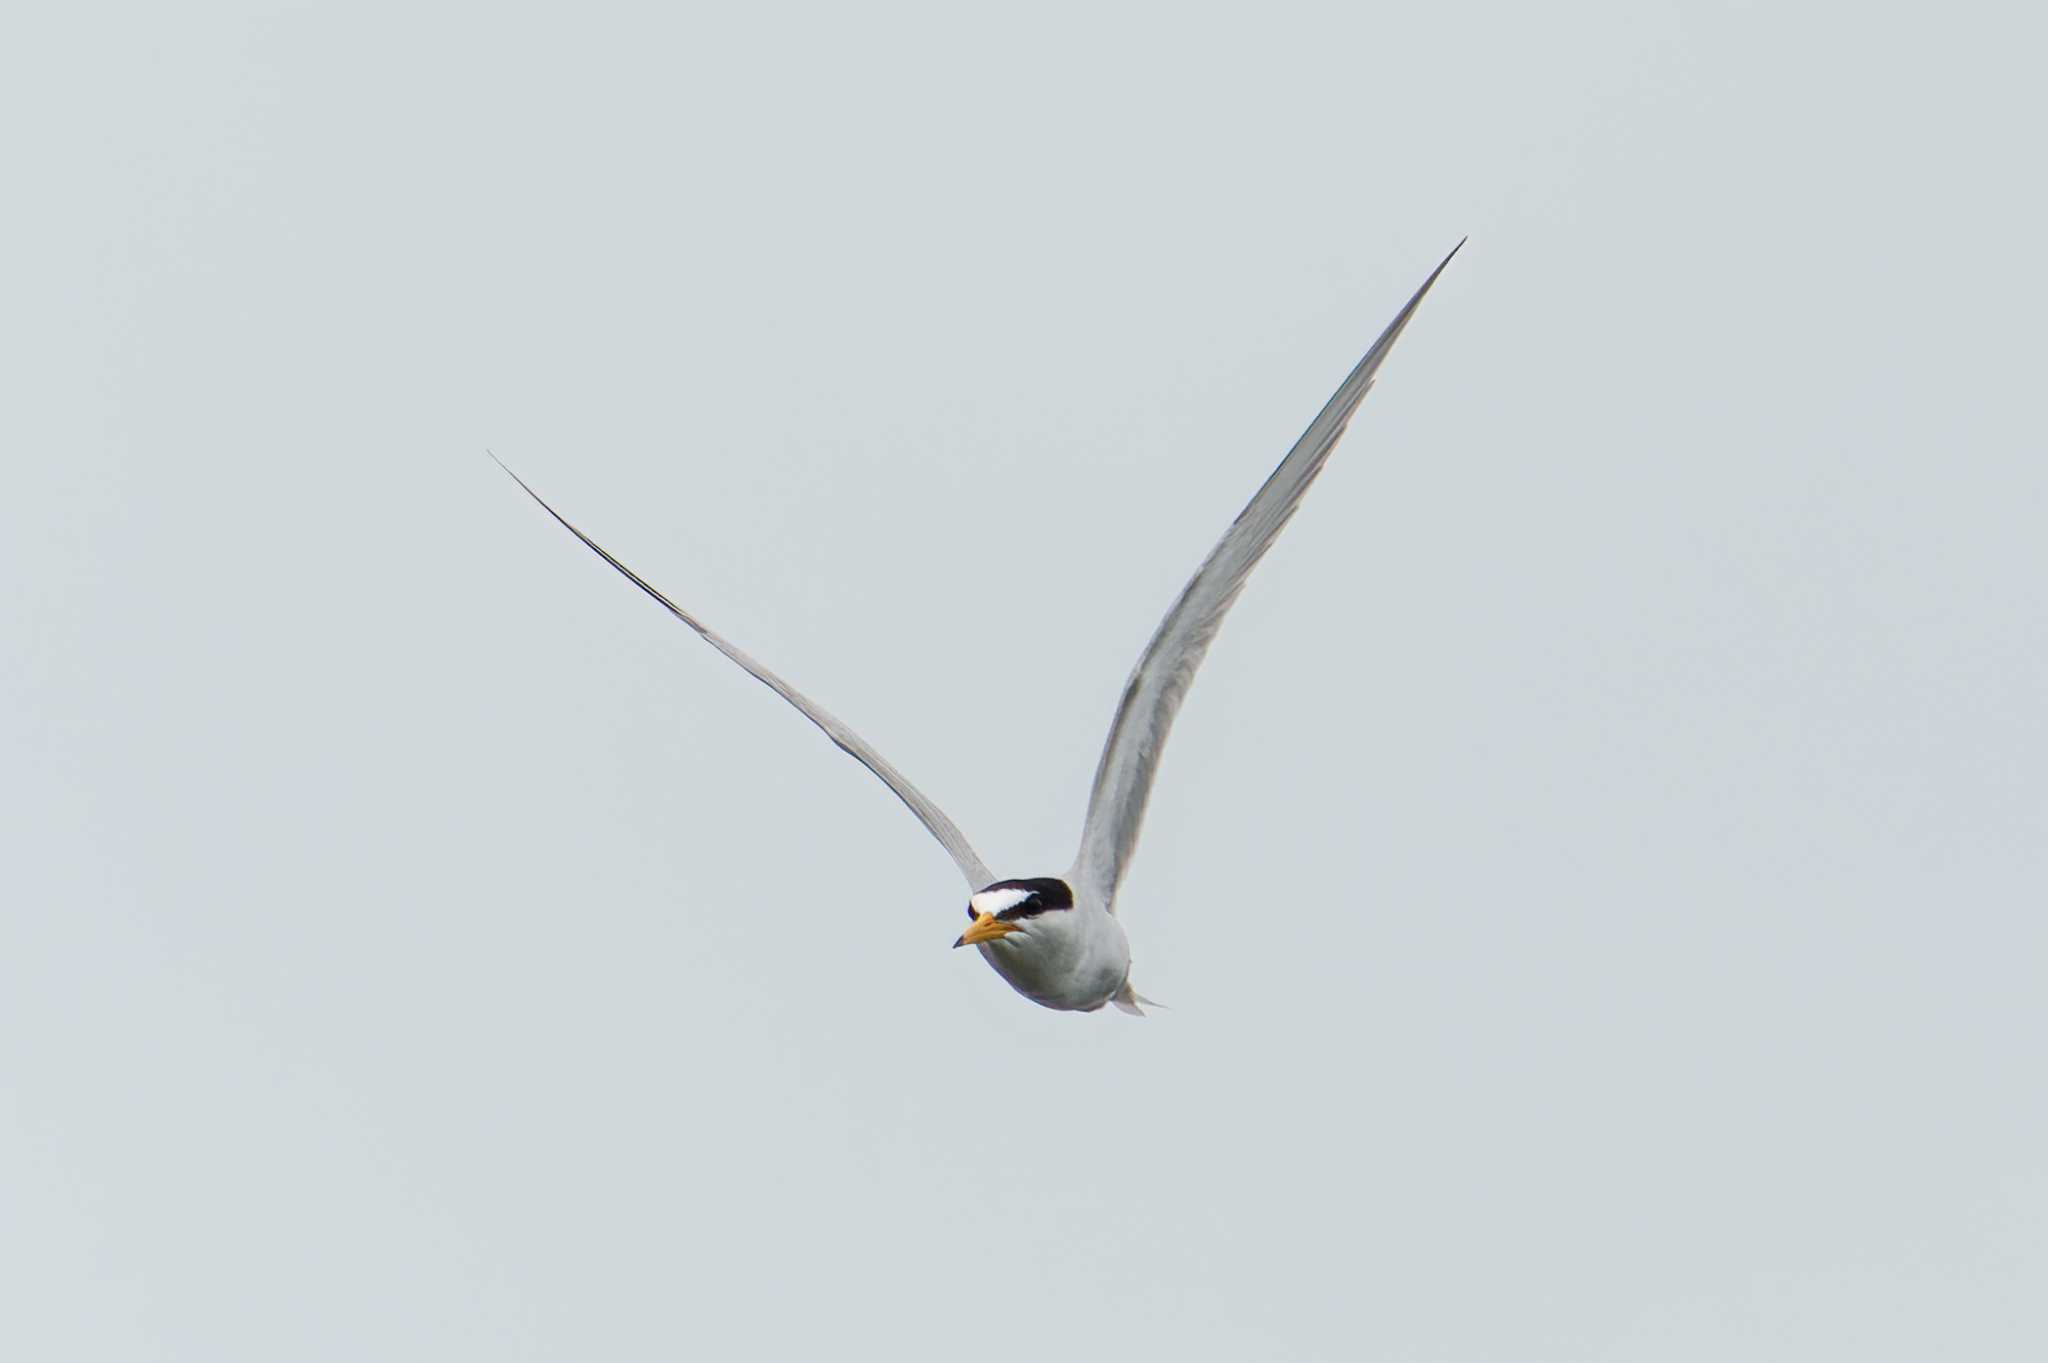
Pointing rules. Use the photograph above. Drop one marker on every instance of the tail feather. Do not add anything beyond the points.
(1127, 1000)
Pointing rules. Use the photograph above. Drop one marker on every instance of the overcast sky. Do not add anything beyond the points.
(1597, 878)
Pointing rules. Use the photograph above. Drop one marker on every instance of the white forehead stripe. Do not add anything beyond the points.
(995, 901)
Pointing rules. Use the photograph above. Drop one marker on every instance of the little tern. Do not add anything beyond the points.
(1056, 939)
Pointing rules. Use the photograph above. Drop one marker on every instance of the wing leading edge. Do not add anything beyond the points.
(1153, 695)
(930, 815)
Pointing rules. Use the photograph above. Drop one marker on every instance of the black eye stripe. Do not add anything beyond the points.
(1045, 893)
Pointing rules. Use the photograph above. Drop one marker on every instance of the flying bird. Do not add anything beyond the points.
(1056, 939)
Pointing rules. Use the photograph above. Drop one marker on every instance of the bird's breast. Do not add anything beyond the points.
(1073, 961)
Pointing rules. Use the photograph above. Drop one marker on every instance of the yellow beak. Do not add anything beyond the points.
(985, 928)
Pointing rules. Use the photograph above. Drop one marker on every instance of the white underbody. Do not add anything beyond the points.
(1072, 959)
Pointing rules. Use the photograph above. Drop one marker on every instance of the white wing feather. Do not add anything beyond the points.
(1130, 759)
(930, 815)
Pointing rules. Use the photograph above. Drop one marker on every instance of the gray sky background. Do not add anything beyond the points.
(1597, 877)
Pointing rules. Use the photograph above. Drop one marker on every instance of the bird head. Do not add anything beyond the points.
(1006, 906)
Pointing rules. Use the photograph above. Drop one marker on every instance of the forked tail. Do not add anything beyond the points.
(1128, 999)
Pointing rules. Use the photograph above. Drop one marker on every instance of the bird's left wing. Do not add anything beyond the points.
(1152, 697)
(930, 815)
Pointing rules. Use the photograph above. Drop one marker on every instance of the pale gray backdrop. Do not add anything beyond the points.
(1598, 877)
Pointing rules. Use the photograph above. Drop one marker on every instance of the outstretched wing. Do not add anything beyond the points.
(928, 814)
(1130, 759)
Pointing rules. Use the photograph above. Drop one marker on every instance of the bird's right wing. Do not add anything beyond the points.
(930, 815)
(1130, 759)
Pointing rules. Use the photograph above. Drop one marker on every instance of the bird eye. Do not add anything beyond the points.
(970, 912)
(1030, 907)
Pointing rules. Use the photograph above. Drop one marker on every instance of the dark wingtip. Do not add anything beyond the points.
(513, 475)
(1440, 266)
(1400, 322)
